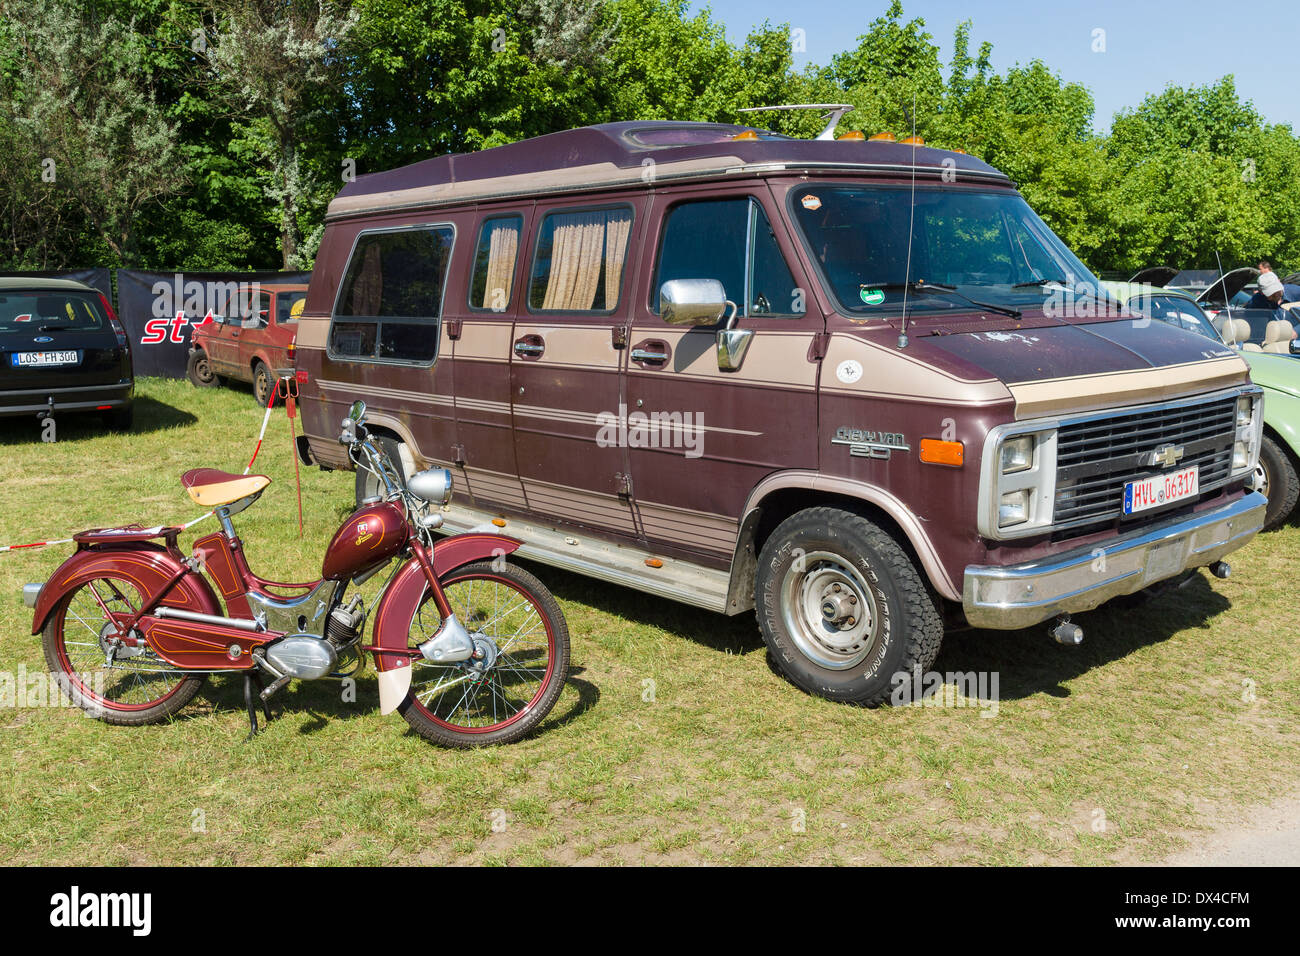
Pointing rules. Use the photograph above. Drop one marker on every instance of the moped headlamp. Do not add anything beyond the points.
(433, 485)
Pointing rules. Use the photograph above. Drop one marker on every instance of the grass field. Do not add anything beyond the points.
(674, 741)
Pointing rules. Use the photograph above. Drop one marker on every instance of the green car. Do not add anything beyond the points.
(1277, 373)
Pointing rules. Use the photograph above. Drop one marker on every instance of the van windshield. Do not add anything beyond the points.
(985, 245)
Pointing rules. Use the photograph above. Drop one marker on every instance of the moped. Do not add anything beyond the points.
(471, 649)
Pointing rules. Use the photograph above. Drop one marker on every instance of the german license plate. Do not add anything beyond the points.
(1161, 490)
(33, 359)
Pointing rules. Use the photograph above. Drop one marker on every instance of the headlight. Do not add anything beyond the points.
(1018, 480)
(1249, 422)
(1017, 454)
(1013, 509)
(433, 485)
(1245, 410)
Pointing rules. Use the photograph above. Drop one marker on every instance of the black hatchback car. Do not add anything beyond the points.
(62, 349)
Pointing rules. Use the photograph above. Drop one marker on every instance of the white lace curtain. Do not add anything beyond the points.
(583, 243)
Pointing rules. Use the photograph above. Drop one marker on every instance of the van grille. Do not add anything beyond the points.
(1097, 457)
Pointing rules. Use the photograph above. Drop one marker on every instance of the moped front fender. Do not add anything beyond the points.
(148, 566)
(396, 612)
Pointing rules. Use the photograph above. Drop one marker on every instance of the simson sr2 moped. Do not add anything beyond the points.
(470, 649)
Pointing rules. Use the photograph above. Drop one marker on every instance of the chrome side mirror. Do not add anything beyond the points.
(357, 412)
(692, 301)
(732, 346)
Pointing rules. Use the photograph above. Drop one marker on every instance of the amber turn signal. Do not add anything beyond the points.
(883, 138)
(856, 134)
(913, 141)
(935, 452)
(499, 522)
(653, 563)
(746, 135)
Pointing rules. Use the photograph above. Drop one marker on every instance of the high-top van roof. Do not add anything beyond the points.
(614, 155)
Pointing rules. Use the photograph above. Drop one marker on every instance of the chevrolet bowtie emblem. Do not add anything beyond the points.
(1166, 456)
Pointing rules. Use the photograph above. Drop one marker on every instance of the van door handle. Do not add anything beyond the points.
(530, 345)
(650, 352)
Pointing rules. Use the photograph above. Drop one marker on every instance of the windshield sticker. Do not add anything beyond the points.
(871, 296)
(849, 372)
(811, 202)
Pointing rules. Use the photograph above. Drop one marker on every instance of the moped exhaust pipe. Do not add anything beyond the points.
(239, 623)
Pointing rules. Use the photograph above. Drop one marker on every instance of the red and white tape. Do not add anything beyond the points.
(208, 514)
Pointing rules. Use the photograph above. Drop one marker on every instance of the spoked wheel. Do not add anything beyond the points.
(517, 673)
(101, 675)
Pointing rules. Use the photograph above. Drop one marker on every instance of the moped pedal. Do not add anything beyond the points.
(276, 686)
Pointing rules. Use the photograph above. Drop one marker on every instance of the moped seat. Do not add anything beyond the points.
(212, 488)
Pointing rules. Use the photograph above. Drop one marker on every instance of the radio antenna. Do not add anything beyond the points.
(911, 222)
(1227, 301)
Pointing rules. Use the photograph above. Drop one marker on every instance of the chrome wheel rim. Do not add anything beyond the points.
(1259, 479)
(514, 661)
(829, 610)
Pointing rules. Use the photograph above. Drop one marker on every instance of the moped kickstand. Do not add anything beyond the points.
(251, 678)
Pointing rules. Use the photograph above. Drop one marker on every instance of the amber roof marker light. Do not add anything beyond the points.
(832, 113)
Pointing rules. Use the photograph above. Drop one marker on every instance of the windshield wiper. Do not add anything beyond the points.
(921, 285)
(53, 328)
(1039, 282)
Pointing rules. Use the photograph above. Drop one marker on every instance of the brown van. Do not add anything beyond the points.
(858, 386)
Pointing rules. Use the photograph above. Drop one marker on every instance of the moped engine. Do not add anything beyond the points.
(304, 656)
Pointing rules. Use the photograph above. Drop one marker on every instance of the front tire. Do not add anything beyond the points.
(1276, 479)
(474, 703)
(368, 485)
(198, 369)
(843, 609)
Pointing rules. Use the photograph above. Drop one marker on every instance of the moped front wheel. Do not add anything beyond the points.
(520, 666)
(113, 682)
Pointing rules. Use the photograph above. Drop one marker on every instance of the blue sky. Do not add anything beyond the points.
(1149, 43)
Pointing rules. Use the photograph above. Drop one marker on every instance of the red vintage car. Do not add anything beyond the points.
(249, 336)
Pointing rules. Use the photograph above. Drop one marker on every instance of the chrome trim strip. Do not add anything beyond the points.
(240, 623)
(1015, 596)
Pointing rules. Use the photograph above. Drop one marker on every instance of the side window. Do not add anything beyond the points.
(494, 263)
(288, 306)
(390, 299)
(771, 286)
(258, 317)
(705, 240)
(579, 262)
(730, 240)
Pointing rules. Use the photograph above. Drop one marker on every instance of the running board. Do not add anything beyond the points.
(591, 557)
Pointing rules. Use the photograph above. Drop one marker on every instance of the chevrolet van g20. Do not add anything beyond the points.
(856, 386)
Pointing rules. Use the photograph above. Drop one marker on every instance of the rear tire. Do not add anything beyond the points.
(1276, 479)
(843, 609)
(139, 689)
(199, 370)
(263, 384)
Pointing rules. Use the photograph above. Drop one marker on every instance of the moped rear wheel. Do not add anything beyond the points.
(501, 696)
(116, 684)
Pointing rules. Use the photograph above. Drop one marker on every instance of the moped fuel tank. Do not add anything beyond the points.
(372, 534)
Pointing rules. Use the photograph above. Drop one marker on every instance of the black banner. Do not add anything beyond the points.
(158, 309)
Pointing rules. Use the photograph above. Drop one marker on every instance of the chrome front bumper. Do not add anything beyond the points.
(1019, 595)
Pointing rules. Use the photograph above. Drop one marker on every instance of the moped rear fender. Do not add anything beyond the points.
(148, 566)
(402, 599)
